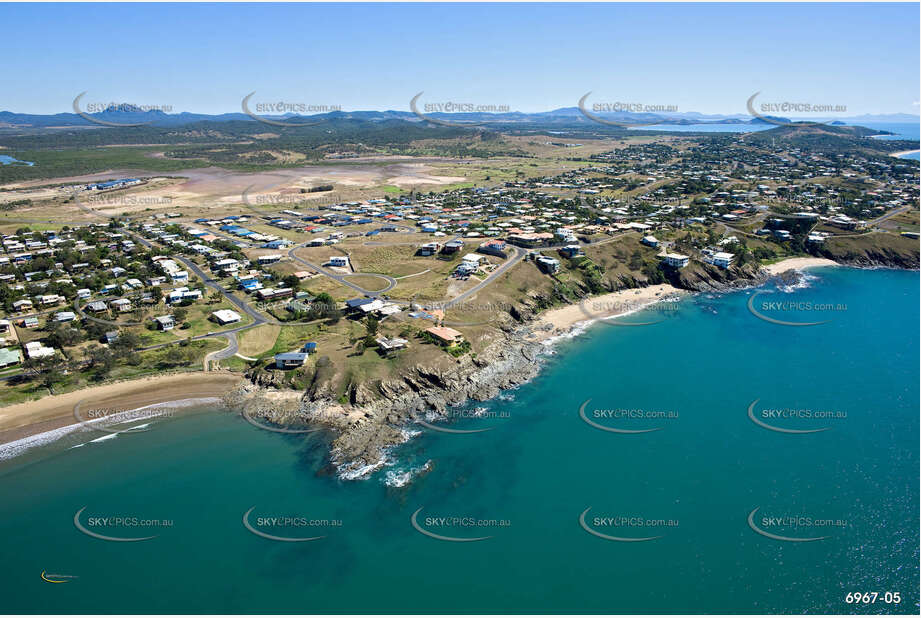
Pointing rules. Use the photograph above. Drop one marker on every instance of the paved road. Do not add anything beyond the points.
(391, 282)
(211, 283)
(509, 263)
(895, 212)
(230, 350)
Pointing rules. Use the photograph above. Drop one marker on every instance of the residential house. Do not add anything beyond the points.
(547, 264)
(225, 316)
(290, 360)
(445, 334)
(10, 356)
(165, 322)
(34, 349)
(388, 345)
(676, 260)
(121, 305)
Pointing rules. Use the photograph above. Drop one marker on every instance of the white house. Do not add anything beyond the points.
(676, 260)
(339, 260)
(721, 259)
(226, 316)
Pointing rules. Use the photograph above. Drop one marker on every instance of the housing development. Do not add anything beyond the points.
(167, 289)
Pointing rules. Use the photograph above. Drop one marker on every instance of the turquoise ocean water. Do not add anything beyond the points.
(899, 130)
(691, 374)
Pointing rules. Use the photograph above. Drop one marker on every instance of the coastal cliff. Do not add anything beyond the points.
(869, 251)
(373, 416)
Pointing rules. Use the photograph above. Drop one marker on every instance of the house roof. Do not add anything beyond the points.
(9, 356)
(291, 356)
(443, 332)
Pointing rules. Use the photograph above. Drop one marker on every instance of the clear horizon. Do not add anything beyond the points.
(705, 58)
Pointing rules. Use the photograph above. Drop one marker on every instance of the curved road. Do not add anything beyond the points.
(391, 282)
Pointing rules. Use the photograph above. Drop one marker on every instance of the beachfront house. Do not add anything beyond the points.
(676, 260)
(445, 334)
(548, 265)
(290, 360)
(719, 258)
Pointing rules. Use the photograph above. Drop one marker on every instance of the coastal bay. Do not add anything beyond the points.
(537, 468)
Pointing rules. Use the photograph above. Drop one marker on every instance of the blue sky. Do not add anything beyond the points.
(532, 57)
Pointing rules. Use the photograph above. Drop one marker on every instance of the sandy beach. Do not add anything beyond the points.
(34, 417)
(50, 413)
(903, 153)
(798, 263)
(561, 320)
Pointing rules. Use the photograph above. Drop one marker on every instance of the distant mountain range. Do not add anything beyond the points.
(12, 121)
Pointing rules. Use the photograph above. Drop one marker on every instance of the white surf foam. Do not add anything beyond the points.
(18, 447)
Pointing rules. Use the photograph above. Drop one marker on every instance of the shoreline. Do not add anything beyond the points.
(560, 322)
(899, 155)
(55, 413)
(797, 263)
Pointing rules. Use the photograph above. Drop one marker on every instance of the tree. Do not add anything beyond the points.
(50, 369)
(156, 293)
(175, 355)
(372, 324)
(101, 359)
(180, 314)
(61, 336)
(291, 281)
(126, 345)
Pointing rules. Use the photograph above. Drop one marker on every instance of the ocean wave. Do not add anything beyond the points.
(576, 330)
(804, 281)
(19, 447)
(110, 436)
(357, 470)
(402, 477)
